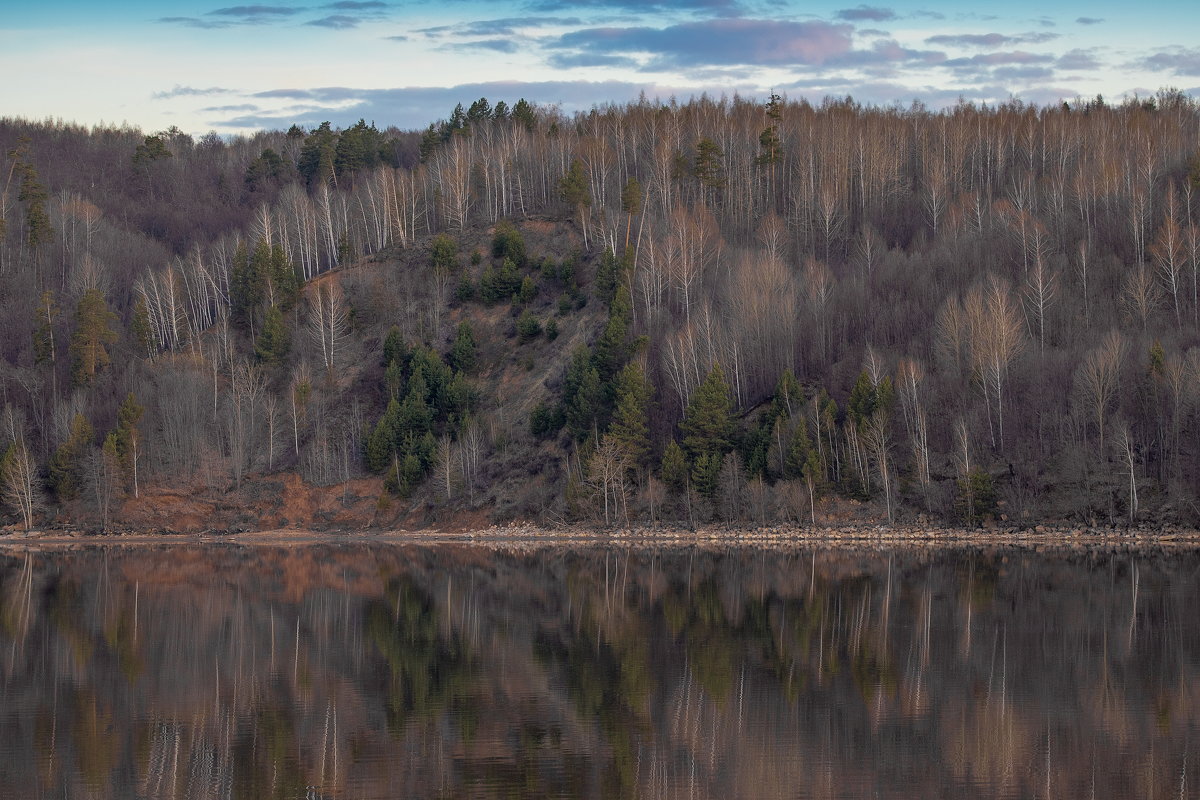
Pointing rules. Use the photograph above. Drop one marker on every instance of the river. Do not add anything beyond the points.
(367, 670)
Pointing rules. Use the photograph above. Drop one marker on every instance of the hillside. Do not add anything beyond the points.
(710, 311)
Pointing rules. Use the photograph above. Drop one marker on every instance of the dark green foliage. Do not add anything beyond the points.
(38, 230)
(273, 342)
(359, 147)
(630, 425)
(316, 162)
(613, 348)
(706, 470)
(799, 451)
(528, 327)
(526, 291)
(269, 169)
(465, 291)
(152, 149)
(508, 243)
(551, 330)
(463, 350)
(674, 467)
(975, 497)
(612, 274)
(499, 284)
(435, 398)
(546, 420)
(126, 436)
(523, 112)
(395, 349)
(393, 379)
(67, 464)
(480, 111)
(573, 188)
(139, 329)
(443, 253)
(582, 395)
(262, 277)
(708, 422)
(93, 334)
(708, 166)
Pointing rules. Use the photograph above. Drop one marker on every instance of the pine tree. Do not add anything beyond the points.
(93, 334)
(674, 469)
(462, 351)
(273, 341)
(66, 465)
(127, 439)
(708, 422)
(630, 426)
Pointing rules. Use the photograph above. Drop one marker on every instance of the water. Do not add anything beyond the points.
(372, 671)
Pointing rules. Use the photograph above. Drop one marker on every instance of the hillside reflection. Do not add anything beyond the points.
(363, 671)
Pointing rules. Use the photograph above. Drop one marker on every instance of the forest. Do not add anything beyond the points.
(657, 312)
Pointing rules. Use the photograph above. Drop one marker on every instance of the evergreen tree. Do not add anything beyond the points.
(317, 156)
(708, 421)
(140, 330)
(573, 188)
(674, 467)
(273, 341)
(67, 463)
(93, 334)
(38, 230)
(127, 438)
(463, 350)
(630, 426)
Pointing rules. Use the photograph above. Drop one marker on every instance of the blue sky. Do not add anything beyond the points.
(238, 68)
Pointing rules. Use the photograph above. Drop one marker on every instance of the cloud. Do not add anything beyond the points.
(235, 15)
(497, 45)
(990, 39)
(255, 12)
(886, 52)
(1000, 58)
(397, 38)
(866, 13)
(193, 22)
(718, 42)
(1078, 59)
(1089, 20)
(336, 21)
(240, 108)
(1176, 60)
(721, 8)
(574, 60)
(507, 26)
(190, 91)
(352, 5)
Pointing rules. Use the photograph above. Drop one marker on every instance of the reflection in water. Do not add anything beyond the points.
(363, 671)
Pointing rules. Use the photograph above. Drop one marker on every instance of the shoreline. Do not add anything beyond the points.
(851, 536)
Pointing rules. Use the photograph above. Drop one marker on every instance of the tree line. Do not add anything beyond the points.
(964, 313)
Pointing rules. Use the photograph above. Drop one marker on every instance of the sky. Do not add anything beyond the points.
(234, 69)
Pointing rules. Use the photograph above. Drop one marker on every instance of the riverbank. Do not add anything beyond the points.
(893, 536)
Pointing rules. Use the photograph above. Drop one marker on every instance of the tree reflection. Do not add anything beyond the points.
(377, 671)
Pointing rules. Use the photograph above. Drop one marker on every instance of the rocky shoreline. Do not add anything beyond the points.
(870, 535)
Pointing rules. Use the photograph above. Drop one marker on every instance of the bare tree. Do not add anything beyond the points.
(328, 324)
(1098, 376)
(19, 483)
(1123, 442)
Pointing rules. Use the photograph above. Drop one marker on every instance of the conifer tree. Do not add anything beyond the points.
(66, 465)
(708, 421)
(630, 425)
(93, 335)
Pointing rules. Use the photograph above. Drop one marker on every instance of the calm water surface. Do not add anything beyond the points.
(373, 671)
